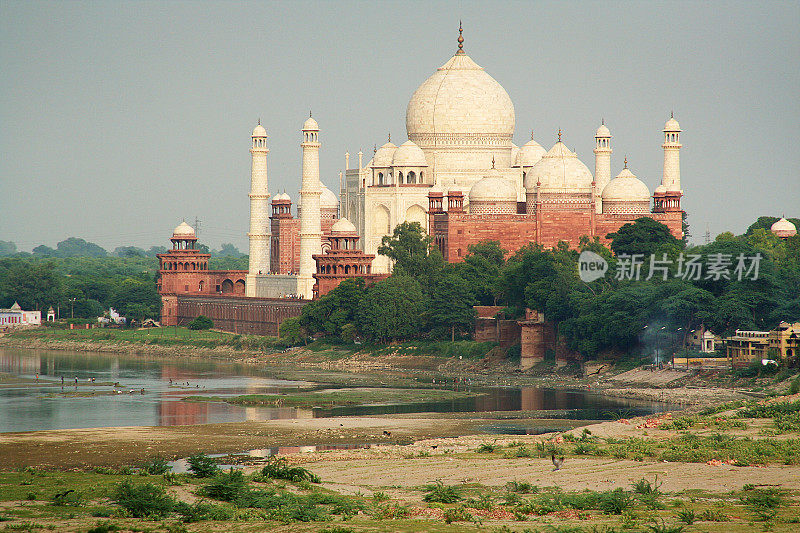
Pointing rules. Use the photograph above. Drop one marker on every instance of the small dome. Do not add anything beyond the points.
(626, 188)
(328, 200)
(384, 155)
(281, 196)
(409, 154)
(661, 189)
(530, 154)
(602, 131)
(183, 230)
(310, 125)
(343, 226)
(493, 188)
(559, 168)
(784, 228)
(672, 125)
(259, 131)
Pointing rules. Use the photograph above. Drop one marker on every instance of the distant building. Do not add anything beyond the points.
(780, 344)
(15, 317)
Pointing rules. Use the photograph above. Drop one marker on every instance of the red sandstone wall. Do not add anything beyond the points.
(239, 314)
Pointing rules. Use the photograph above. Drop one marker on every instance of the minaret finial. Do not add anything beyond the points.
(603, 121)
(626, 161)
(531, 134)
(559, 134)
(460, 38)
(374, 149)
(672, 114)
(309, 113)
(390, 136)
(259, 121)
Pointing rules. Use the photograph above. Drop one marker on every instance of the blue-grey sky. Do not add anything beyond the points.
(118, 119)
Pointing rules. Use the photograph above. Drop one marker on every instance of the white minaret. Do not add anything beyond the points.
(602, 163)
(672, 155)
(310, 217)
(259, 233)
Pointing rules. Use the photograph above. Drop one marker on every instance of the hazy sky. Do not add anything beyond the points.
(118, 119)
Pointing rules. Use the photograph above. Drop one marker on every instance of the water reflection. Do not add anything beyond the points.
(49, 405)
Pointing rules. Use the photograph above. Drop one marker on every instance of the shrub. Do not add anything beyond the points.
(439, 492)
(687, 516)
(227, 486)
(457, 514)
(710, 515)
(104, 527)
(794, 386)
(156, 466)
(615, 501)
(143, 500)
(485, 448)
(521, 487)
(279, 469)
(393, 511)
(201, 322)
(202, 465)
(644, 486)
(203, 511)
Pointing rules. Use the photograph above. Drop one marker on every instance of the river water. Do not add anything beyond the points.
(150, 392)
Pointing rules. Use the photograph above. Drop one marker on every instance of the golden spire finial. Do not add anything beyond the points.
(602, 121)
(460, 38)
(259, 121)
(390, 136)
(531, 134)
(309, 113)
(672, 114)
(626, 162)
(559, 134)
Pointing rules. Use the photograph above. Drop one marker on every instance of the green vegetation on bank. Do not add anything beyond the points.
(427, 298)
(330, 398)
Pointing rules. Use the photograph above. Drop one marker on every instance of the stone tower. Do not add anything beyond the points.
(672, 155)
(602, 163)
(259, 233)
(310, 216)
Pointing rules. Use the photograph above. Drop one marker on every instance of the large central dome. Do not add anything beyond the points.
(460, 100)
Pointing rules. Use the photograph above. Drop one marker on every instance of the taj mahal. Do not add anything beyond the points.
(458, 174)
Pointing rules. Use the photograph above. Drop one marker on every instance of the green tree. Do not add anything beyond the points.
(292, 332)
(392, 309)
(451, 306)
(136, 298)
(411, 251)
(228, 249)
(129, 251)
(644, 236)
(7, 248)
(481, 269)
(34, 284)
(77, 247)
(330, 313)
(44, 251)
(201, 322)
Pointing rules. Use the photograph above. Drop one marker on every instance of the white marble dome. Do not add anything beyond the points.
(343, 226)
(259, 131)
(310, 125)
(328, 200)
(559, 168)
(383, 156)
(672, 125)
(661, 189)
(530, 154)
(281, 196)
(409, 154)
(784, 228)
(183, 230)
(460, 98)
(626, 188)
(493, 188)
(602, 131)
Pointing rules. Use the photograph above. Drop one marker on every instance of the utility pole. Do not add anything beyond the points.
(197, 222)
(72, 307)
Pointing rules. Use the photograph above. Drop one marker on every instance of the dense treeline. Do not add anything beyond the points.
(81, 279)
(428, 298)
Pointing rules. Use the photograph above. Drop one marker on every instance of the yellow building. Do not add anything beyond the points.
(780, 344)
